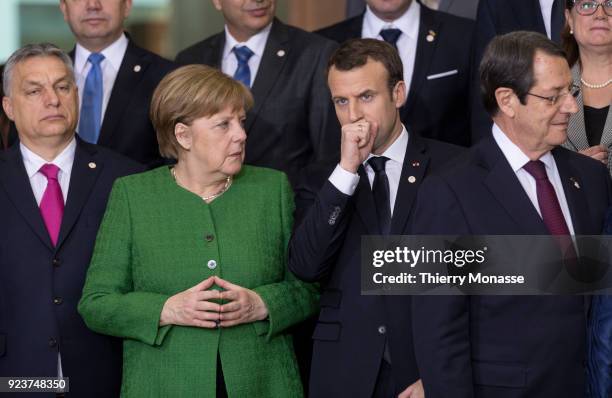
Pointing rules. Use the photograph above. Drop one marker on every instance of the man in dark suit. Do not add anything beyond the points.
(292, 123)
(435, 51)
(116, 79)
(53, 193)
(519, 181)
(362, 344)
(497, 17)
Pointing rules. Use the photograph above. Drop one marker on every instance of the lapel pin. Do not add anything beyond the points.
(416, 164)
(137, 68)
(412, 179)
(431, 36)
(92, 165)
(572, 179)
(281, 53)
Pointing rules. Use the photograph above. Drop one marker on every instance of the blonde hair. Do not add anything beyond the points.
(191, 92)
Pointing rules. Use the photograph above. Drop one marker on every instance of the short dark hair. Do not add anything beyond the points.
(508, 62)
(568, 41)
(355, 53)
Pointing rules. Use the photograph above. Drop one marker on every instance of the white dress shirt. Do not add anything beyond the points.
(518, 159)
(38, 181)
(408, 23)
(256, 43)
(346, 182)
(546, 7)
(113, 57)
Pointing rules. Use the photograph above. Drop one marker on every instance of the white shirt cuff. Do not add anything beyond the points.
(344, 181)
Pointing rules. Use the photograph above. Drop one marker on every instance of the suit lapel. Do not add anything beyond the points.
(213, 54)
(532, 15)
(415, 165)
(14, 179)
(428, 27)
(85, 171)
(572, 187)
(272, 62)
(132, 70)
(364, 203)
(505, 187)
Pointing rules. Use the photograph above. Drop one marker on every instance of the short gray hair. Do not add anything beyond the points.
(30, 51)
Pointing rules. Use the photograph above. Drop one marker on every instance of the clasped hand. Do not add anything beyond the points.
(199, 306)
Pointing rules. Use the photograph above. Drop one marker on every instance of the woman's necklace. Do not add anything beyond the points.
(228, 183)
(595, 86)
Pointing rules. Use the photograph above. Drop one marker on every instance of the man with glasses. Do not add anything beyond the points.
(497, 17)
(518, 181)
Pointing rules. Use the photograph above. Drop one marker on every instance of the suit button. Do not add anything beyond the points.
(52, 342)
(212, 264)
(56, 262)
(58, 300)
(210, 237)
(382, 329)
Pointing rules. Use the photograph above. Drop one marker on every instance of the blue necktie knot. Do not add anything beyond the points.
(95, 58)
(93, 96)
(390, 36)
(243, 72)
(243, 54)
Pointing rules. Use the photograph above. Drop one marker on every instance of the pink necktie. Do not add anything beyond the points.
(52, 203)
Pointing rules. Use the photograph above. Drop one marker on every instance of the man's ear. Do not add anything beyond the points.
(399, 94)
(183, 135)
(7, 105)
(507, 101)
(217, 4)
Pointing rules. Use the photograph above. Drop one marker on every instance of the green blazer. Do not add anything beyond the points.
(158, 239)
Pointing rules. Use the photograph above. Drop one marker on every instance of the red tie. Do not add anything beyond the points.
(52, 203)
(547, 199)
(551, 210)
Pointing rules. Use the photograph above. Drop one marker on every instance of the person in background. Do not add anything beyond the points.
(587, 40)
(292, 123)
(190, 266)
(435, 52)
(115, 78)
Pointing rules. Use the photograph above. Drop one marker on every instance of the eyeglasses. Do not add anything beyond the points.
(573, 90)
(589, 7)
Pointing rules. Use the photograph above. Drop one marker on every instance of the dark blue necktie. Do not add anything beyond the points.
(391, 36)
(243, 72)
(91, 107)
(557, 20)
(380, 190)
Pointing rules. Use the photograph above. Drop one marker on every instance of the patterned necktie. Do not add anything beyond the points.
(391, 36)
(557, 20)
(91, 108)
(380, 190)
(243, 72)
(52, 203)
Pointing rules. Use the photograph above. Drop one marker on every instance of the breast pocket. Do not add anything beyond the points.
(499, 375)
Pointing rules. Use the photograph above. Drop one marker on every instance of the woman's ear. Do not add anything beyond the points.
(183, 135)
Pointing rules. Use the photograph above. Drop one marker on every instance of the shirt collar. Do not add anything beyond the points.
(34, 162)
(397, 150)
(408, 23)
(256, 43)
(513, 153)
(113, 54)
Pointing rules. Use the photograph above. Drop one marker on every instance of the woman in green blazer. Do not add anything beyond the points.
(190, 262)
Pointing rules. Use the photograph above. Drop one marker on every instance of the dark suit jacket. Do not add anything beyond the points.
(435, 108)
(348, 339)
(40, 285)
(498, 17)
(293, 123)
(126, 127)
(503, 346)
(462, 8)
